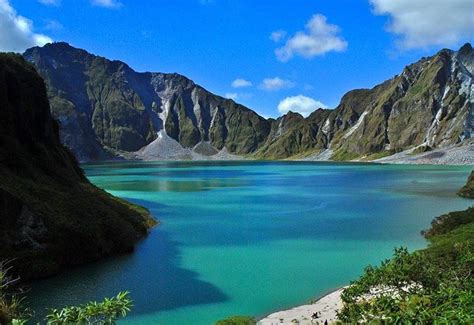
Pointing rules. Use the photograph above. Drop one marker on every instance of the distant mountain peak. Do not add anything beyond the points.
(466, 48)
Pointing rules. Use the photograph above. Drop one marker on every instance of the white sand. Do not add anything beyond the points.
(326, 308)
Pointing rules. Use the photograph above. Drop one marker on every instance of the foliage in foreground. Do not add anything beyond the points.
(435, 285)
(12, 310)
(105, 312)
(237, 320)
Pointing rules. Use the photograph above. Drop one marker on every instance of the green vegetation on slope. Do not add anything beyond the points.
(52, 217)
(434, 285)
(430, 286)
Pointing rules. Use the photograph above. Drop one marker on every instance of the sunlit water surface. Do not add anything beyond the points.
(250, 238)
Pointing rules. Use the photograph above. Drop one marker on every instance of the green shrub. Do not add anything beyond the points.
(105, 312)
(14, 312)
(434, 285)
(11, 307)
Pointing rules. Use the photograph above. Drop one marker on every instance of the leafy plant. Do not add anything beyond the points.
(105, 312)
(11, 308)
(13, 311)
(431, 286)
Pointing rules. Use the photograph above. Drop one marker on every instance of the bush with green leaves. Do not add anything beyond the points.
(13, 311)
(431, 286)
(105, 312)
(11, 307)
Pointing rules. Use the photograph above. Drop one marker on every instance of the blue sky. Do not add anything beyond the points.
(294, 54)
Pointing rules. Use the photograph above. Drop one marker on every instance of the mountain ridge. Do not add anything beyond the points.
(119, 110)
(124, 110)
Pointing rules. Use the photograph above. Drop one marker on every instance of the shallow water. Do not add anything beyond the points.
(250, 238)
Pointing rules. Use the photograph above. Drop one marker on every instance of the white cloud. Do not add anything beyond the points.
(318, 39)
(16, 32)
(423, 23)
(107, 3)
(50, 2)
(276, 84)
(241, 83)
(233, 96)
(299, 104)
(278, 35)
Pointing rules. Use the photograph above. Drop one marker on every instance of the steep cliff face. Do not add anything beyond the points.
(50, 215)
(429, 105)
(104, 106)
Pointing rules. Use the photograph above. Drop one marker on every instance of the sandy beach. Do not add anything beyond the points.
(325, 309)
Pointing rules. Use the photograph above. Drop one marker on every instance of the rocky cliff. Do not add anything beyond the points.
(104, 108)
(51, 217)
(429, 105)
(468, 189)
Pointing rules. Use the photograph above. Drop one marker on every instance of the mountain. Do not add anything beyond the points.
(429, 105)
(51, 216)
(105, 108)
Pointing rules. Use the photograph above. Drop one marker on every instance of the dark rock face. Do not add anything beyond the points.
(468, 189)
(105, 107)
(51, 217)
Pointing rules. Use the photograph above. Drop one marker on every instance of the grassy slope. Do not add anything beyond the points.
(443, 274)
(51, 215)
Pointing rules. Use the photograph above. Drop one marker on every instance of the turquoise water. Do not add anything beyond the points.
(251, 238)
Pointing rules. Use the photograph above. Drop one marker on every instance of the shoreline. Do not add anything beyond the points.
(374, 162)
(452, 156)
(461, 154)
(325, 308)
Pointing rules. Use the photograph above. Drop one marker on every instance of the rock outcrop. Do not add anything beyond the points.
(468, 189)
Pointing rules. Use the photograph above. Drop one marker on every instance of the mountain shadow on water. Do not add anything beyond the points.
(157, 255)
